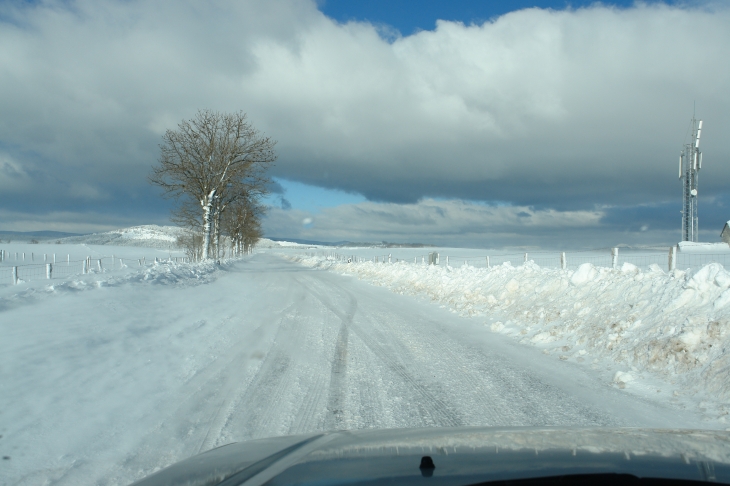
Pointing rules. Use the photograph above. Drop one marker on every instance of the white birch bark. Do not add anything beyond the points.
(207, 204)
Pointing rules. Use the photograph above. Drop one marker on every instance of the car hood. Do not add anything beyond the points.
(464, 455)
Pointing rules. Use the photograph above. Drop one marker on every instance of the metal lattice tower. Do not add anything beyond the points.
(690, 163)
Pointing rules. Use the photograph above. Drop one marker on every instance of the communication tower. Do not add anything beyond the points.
(690, 163)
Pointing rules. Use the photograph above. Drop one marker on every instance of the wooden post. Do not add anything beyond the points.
(98, 265)
(121, 263)
(15, 275)
(112, 260)
(487, 262)
(49, 270)
(23, 256)
(84, 267)
(32, 256)
(672, 258)
(54, 258)
(45, 257)
(563, 261)
(614, 257)
(390, 260)
(68, 259)
(525, 258)
(447, 260)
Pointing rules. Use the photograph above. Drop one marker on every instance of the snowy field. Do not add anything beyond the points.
(109, 376)
(687, 257)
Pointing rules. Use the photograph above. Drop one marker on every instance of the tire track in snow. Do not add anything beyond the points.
(335, 419)
(430, 403)
(289, 393)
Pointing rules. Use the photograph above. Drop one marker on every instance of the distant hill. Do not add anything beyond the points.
(350, 244)
(149, 236)
(34, 235)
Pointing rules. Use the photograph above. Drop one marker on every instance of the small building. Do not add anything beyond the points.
(725, 235)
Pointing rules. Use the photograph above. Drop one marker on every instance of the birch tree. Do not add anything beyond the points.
(212, 161)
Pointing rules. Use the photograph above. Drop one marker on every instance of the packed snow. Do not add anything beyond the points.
(670, 327)
(109, 376)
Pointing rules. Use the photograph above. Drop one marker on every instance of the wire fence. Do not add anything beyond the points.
(603, 257)
(14, 269)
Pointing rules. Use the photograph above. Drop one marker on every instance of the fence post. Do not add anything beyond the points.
(121, 263)
(563, 261)
(525, 258)
(68, 259)
(390, 259)
(15, 275)
(112, 260)
(672, 258)
(84, 267)
(140, 262)
(54, 258)
(23, 256)
(45, 257)
(98, 264)
(32, 256)
(49, 270)
(447, 260)
(614, 257)
(487, 262)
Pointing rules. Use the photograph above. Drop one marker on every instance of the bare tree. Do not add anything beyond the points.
(212, 161)
(242, 223)
(192, 243)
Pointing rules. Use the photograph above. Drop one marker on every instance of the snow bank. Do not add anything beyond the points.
(675, 325)
(157, 273)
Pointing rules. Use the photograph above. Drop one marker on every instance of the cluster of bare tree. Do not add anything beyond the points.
(215, 167)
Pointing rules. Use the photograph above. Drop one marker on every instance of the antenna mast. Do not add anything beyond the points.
(690, 163)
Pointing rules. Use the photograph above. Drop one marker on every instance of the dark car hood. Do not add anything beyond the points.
(463, 455)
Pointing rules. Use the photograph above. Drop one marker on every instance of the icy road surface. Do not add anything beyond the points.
(105, 386)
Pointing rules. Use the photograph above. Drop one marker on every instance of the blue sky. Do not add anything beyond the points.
(409, 16)
(503, 125)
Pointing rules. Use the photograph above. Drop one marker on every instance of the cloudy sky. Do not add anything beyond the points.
(474, 123)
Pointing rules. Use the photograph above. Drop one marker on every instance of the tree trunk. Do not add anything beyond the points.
(207, 204)
(217, 234)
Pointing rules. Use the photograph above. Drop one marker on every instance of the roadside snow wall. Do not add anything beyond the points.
(675, 325)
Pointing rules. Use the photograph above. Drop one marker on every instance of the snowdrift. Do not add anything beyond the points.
(673, 325)
(155, 273)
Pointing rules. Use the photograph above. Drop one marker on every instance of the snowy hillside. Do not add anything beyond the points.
(150, 236)
(265, 243)
(672, 326)
(154, 236)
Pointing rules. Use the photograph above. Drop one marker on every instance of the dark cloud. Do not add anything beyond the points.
(547, 110)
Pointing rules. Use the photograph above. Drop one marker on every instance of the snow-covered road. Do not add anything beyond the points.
(107, 385)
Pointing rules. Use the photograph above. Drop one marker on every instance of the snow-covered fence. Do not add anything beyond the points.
(14, 274)
(606, 257)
